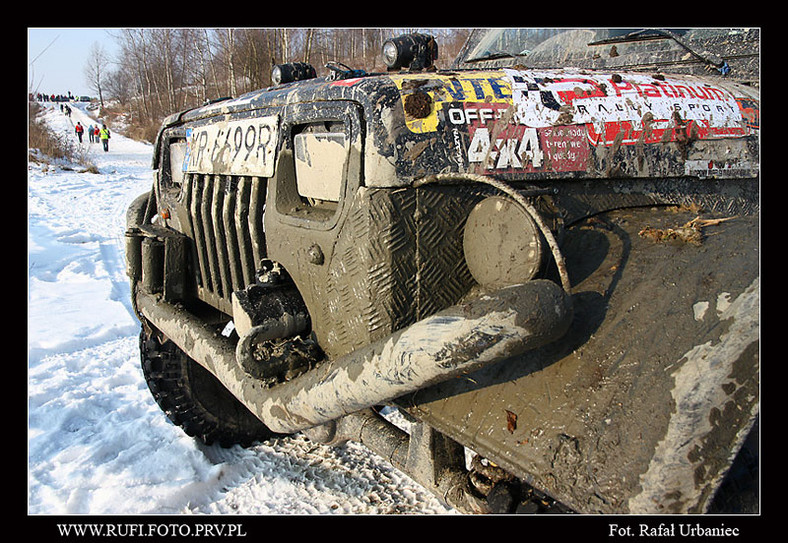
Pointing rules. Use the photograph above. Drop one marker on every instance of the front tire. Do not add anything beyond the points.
(193, 398)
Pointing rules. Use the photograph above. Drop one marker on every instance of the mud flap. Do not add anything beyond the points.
(642, 405)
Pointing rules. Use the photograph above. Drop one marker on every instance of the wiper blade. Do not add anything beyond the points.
(638, 35)
(495, 55)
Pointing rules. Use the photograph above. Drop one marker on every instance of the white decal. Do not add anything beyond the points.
(506, 152)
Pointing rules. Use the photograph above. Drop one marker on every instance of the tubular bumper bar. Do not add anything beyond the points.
(461, 339)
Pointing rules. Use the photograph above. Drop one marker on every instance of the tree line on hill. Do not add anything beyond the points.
(159, 71)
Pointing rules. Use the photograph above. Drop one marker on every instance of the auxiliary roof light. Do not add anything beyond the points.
(414, 51)
(292, 71)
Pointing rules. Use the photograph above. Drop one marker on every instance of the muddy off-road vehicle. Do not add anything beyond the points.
(543, 258)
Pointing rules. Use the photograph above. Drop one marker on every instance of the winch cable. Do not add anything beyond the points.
(517, 197)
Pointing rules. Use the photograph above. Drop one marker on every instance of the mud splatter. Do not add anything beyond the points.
(690, 232)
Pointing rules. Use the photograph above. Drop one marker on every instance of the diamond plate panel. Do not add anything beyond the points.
(398, 259)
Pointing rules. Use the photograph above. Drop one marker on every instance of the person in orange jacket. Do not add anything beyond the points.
(79, 129)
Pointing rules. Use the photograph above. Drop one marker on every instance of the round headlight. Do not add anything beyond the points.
(415, 51)
(502, 244)
(292, 71)
(390, 54)
(276, 75)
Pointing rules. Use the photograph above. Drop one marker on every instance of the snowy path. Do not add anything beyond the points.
(97, 442)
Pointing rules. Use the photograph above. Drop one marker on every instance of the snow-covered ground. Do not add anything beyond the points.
(97, 442)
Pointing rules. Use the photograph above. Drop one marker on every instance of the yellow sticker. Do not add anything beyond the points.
(478, 87)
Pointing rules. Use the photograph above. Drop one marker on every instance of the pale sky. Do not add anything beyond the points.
(57, 57)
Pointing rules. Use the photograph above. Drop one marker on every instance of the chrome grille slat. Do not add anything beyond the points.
(206, 208)
(228, 212)
(256, 208)
(241, 227)
(220, 246)
(195, 214)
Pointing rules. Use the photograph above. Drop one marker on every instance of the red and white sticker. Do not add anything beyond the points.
(640, 106)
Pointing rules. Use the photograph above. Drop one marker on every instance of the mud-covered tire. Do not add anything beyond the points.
(195, 400)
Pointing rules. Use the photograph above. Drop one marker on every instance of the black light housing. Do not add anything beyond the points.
(292, 71)
(413, 51)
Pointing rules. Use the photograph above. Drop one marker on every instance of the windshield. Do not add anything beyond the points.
(680, 50)
(512, 42)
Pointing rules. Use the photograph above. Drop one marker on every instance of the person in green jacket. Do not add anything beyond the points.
(104, 135)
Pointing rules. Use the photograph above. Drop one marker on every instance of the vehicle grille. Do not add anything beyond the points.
(226, 220)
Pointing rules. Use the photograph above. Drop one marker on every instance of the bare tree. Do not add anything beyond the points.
(96, 69)
(285, 45)
(203, 65)
(310, 36)
(120, 86)
(230, 57)
(135, 61)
